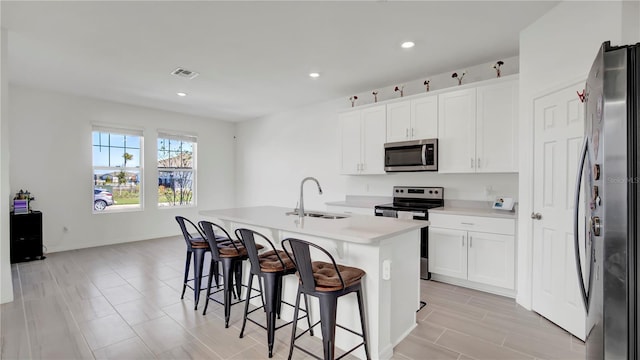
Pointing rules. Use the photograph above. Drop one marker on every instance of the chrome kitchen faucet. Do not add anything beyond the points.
(301, 208)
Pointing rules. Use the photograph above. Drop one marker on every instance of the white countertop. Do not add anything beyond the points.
(473, 211)
(355, 228)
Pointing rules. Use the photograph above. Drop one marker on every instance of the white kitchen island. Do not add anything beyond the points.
(387, 249)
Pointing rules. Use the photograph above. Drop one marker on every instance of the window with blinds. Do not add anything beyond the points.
(176, 169)
(117, 165)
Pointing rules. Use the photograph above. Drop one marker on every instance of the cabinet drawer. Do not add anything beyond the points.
(473, 223)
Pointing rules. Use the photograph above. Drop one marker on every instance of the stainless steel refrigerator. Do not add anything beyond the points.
(609, 165)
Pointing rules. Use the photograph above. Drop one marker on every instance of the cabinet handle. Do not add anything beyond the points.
(465, 223)
(413, 132)
(462, 240)
(406, 132)
(472, 163)
(470, 241)
(478, 163)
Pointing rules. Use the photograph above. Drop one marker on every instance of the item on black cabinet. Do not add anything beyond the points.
(21, 202)
(503, 203)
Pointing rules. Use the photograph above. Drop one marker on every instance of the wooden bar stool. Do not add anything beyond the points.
(269, 266)
(327, 281)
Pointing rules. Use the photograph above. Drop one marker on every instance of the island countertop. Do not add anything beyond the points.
(355, 228)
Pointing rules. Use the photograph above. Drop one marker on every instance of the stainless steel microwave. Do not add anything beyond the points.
(416, 155)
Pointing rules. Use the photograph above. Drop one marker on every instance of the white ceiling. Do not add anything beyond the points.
(254, 57)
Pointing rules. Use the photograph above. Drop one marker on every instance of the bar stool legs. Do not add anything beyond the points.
(363, 323)
(228, 267)
(198, 263)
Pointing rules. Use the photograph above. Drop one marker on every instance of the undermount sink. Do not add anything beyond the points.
(318, 214)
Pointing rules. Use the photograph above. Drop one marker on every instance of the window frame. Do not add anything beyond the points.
(135, 169)
(173, 135)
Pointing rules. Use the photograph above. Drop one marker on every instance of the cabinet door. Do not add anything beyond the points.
(399, 121)
(496, 128)
(448, 252)
(424, 118)
(491, 259)
(350, 135)
(456, 131)
(374, 134)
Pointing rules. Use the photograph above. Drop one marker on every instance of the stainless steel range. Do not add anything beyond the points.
(414, 202)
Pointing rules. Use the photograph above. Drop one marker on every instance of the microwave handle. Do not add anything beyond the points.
(424, 154)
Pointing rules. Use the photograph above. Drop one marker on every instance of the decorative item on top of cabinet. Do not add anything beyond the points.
(375, 96)
(496, 66)
(459, 77)
(426, 84)
(353, 100)
(401, 89)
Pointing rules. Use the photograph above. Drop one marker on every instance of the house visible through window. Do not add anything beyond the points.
(117, 159)
(176, 169)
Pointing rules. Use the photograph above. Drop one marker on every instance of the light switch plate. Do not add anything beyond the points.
(503, 203)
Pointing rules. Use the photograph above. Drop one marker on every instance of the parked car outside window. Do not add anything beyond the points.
(101, 199)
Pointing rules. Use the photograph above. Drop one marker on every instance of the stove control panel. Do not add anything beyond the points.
(418, 192)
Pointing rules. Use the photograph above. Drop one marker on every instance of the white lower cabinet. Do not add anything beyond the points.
(479, 258)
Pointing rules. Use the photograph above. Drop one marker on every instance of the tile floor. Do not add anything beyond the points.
(123, 302)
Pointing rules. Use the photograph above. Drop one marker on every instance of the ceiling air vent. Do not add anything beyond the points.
(185, 73)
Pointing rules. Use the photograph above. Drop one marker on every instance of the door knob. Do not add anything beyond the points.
(536, 216)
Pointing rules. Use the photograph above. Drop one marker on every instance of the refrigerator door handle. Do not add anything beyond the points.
(576, 243)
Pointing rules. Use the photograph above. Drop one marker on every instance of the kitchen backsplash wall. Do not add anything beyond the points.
(478, 187)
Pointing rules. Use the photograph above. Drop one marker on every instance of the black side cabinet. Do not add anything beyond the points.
(26, 237)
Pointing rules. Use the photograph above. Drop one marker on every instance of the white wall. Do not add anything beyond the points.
(555, 51)
(6, 286)
(51, 157)
(276, 152)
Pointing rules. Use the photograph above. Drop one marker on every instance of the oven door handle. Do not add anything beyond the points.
(424, 155)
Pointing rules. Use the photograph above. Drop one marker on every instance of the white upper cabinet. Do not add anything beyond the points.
(496, 128)
(362, 138)
(457, 131)
(424, 117)
(412, 119)
(398, 121)
(477, 129)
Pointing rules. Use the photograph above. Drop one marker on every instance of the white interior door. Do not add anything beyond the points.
(558, 134)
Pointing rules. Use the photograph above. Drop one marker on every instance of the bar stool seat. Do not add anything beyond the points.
(326, 281)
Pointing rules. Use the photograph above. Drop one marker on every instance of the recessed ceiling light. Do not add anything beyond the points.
(181, 94)
(314, 75)
(408, 44)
